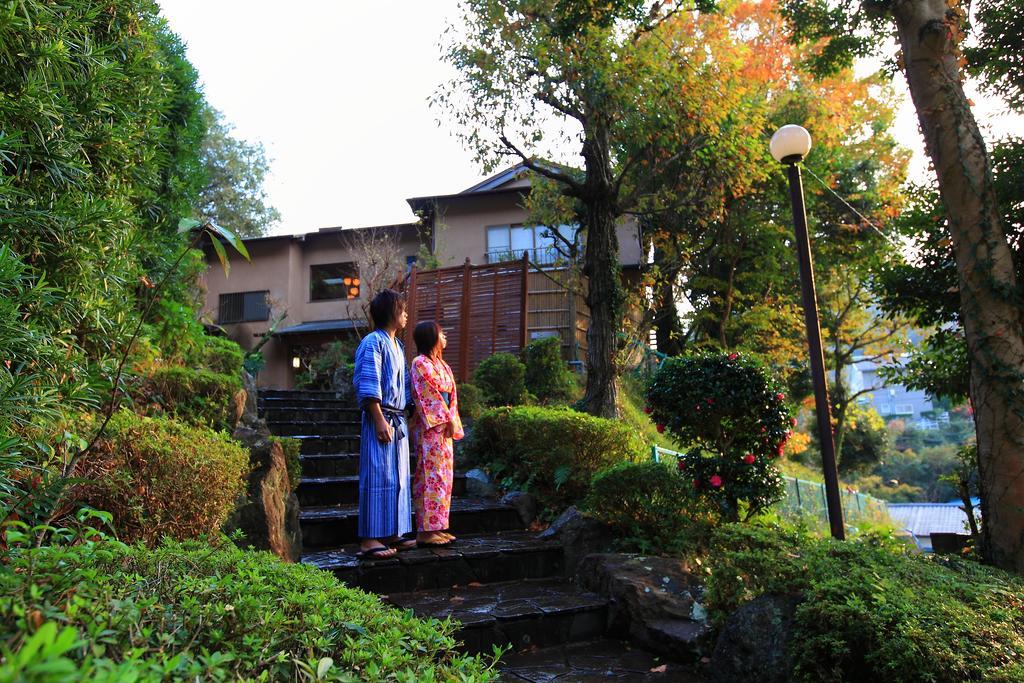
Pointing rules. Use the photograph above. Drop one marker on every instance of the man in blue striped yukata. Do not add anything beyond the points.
(382, 388)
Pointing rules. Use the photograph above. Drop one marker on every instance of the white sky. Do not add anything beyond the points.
(337, 93)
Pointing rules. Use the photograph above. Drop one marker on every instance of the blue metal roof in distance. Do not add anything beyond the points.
(925, 519)
(316, 326)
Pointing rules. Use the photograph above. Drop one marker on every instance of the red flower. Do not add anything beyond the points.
(681, 465)
(716, 481)
(749, 459)
(648, 409)
(733, 356)
(710, 401)
(661, 428)
(696, 483)
(779, 451)
(780, 396)
(792, 422)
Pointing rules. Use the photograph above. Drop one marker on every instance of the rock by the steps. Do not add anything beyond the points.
(478, 483)
(341, 383)
(752, 645)
(579, 536)
(524, 503)
(267, 513)
(655, 601)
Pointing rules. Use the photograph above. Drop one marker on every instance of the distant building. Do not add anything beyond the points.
(892, 401)
(931, 524)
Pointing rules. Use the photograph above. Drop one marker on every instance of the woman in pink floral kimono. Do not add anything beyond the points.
(434, 427)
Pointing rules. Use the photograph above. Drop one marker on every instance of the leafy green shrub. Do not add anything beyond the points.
(548, 377)
(198, 397)
(649, 507)
(502, 380)
(291, 448)
(551, 452)
(335, 357)
(158, 476)
(217, 354)
(732, 418)
(471, 401)
(107, 611)
(871, 610)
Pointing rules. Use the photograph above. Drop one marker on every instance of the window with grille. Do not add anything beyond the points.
(243, 307)
(330, 281)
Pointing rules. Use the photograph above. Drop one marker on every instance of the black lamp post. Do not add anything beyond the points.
(789, 146)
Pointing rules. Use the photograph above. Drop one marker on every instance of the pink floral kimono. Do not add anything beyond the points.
(437, 404)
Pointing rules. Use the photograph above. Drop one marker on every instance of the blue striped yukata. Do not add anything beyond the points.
(385, 506)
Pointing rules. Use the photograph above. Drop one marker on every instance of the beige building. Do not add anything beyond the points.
(314, 287)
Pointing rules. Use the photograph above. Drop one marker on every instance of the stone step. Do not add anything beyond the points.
(331, 526)
(294, 403)
(320, 445)
(504, 556)
(323, 428)
(597, 660)
(341, 490)
(529, 613)
(310, 414)
(329, 464)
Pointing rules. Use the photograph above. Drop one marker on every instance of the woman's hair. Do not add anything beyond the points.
(386, 307)
(426, 335)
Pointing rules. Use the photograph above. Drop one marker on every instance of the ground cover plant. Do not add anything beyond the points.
(102, 610)
(872, 609)
(551, 452)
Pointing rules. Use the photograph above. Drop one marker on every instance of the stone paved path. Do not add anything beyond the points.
(499, 580)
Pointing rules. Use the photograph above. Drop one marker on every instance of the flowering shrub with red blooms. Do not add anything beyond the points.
(735, 422)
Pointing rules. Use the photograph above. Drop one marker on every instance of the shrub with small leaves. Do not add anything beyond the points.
(648, 507)
(502, 380)
(216, 354)
(159, 477)
(551, 452)
(548, 377)
(732, 418)
(195, 396)
(471, 401)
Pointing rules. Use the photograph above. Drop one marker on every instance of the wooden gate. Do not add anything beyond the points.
(492, 308)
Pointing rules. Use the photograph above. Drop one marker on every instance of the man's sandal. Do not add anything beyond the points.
(374, 553)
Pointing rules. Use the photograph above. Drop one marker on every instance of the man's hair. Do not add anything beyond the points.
(386, 307)
(426, 335)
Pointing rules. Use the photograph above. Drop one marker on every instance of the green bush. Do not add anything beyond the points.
(471, 401)
(648, 506)
(326, 363)
(216, 354)
(502, 380)
(106, 611)
(871, 610)
(548, 377)
(291, 448)
(551, 452)
(731, 417)
(158, 476)
(198, 397)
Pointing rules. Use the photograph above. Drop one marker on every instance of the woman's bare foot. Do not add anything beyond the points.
(448, 536)
(428, 538)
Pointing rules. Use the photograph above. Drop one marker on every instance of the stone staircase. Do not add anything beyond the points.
(499, 580)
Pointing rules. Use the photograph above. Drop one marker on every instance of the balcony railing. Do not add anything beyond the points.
(542, 256)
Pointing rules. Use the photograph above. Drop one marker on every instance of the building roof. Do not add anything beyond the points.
(925, 519)
(316, 326)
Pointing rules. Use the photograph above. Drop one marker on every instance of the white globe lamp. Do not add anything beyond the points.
(790, 144)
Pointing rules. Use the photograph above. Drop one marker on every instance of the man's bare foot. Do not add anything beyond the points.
(372, 549)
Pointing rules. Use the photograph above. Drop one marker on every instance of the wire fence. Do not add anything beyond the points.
(807, 498)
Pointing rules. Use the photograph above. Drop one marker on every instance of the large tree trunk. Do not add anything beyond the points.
(988, 286)
(601, 266)
(668, 329)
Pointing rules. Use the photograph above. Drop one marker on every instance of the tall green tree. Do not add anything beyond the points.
(930, 35)
(234, 196)
(611, 77)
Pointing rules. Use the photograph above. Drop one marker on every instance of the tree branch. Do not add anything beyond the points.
(574, 188)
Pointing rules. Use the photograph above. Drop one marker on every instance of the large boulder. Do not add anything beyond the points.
(267, 513)
(752, 645)
(579, 536)
(478, 483)
(655, 602)
(524, 503)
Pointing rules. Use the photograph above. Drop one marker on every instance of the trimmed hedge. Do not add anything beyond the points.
(107, 611)
(649, 507)
(548, 377)
(217, 354)
(873, 610)
(158, 477)
(501, 379)
(199, 397)
(551, 452)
